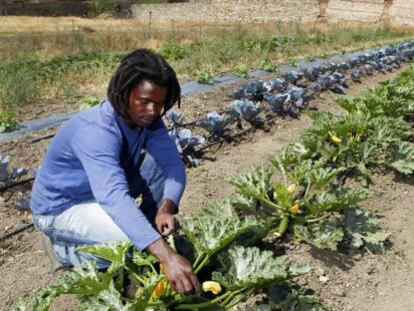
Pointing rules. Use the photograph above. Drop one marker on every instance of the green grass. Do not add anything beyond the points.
(77, 59)
(27, 82)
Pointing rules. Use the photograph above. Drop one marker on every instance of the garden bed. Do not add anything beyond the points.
(345, 282)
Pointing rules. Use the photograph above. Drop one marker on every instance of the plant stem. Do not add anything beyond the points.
(271, 204)
(311, 221)
(283, 225)
(240, 298)
(230, 297)
(307, 189)
(227, 300)
(136, 278)
(284, 174)
(154, 270)
(198, 259)
(201, 265)
(155, 304)
(203, 304)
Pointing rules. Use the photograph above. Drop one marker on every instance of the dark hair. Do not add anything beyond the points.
(139, 65)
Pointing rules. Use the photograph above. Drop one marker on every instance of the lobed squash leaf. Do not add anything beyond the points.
(252, 268)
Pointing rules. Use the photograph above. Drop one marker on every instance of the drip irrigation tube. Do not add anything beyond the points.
(42, 138)
(16, 184)
(37, 125)
(17, 231)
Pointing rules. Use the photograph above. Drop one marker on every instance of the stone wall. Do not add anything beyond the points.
(399, 12)
(348, 10)
(226, 11)
(402, 11)
(229, 11)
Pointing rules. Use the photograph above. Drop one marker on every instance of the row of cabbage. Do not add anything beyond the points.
(284, 96)
(301, 196)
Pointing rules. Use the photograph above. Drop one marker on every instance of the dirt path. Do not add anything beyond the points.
(357, 282)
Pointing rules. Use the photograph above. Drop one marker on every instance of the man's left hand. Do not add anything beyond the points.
(165, 219)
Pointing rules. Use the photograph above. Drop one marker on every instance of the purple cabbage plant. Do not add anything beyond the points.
(247, 111)
(215, 124)
(186, 143)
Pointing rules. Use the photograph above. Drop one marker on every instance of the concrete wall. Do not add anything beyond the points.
(399, 12)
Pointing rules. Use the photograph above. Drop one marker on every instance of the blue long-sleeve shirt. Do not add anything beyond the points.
(86, 161)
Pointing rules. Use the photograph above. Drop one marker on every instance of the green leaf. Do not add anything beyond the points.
(323, 176)
(403, 159)
(293, 298)
(326, 235)
(363, 229)
(256, 184)
(143, 259)
(112, 251)
(253, 268)
(289, 155)
(224, 208)
(111, 300)
(338, 199)
(302, 233)
(84, 280)
(20, 305)
(296, 269)
(107, 300)
(211, 234)
(311, 172)
(241, 202)
(348, 103)
(351, 196)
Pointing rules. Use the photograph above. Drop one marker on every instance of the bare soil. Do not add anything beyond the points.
(357, 281)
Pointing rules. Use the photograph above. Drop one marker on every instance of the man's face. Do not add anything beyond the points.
(146, 103)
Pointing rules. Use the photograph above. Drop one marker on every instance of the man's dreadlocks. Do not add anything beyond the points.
(139, 65)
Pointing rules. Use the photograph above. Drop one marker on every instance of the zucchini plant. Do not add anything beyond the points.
(391, 99)
(229, 271)
(309, 203)
(357, 142)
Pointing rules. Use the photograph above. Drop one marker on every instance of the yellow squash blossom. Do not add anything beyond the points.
(295, 209)
(336, 140)
(211, 286)
(158, 291)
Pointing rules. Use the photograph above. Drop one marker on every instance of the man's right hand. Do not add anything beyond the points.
(178, 270)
